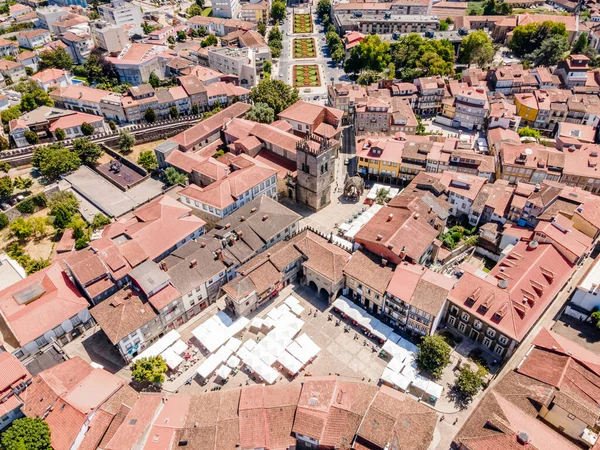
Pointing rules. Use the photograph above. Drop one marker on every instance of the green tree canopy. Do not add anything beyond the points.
(415, 56)
(55, 160)
(26, 434)
(278, 10)
(4, 166)
(476, 48)
(58, 59)
(63, 207)
(371, 54)
(434, 355)
(126, 142)
(194, 10)
(3, 221)
(154, 80)
(528, 38)
(149, 370)
(31, 137)
(323, 7)
(262, 28)
(181, 36)
(468, 382)
(209, 41)
(275, 93)
(529, 132)
(100, 220)
(148, 161)
(21, 228)
(6, 186)
(87, 129)
(29, 102)
(87, 151)
(580, 44)
(150, 115)
(60, 134)
(550, 52)
(173, 177)
(261, 112)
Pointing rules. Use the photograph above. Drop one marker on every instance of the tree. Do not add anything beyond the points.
(154, 80)
(38, 226)
(476, 48)
(275, 34)
(26, 434)
(60, 134)
(149, 370)
(6, 186)
(171, 40)
(14, 112)
(31, 101)
(278, 10)
(57, 59)
(468, 382)
(62, 214)
(150, 115)
(148, 161)
(415, 56)
(323, 8)
(528, 38)
(126, 142)
(4, 166)
(202, 31)
(173, 112)
(381, 196)
(22, 183)
(434, 355)
(261, 112)
(3, 221)
(3, 144)
(195, 110)
(262, 28)
(54, 160)
(147, 28)
(580, 44)
(100, 220)
(31, 137)
(371, 54)
(529, 132)
(550, 52)
(194, 10)
(87, 151)
(338, 55)
(493, 8)
(87, 129)
(181, 36)
(275, 93)
(209, 41)
(21, 228)
(267, 66)
(444, 25)
(368, 77)
(173, 177)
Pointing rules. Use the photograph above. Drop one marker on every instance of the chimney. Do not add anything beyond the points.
(265, 217)
(523, 438)
(403, 253)
(242, 219)
(202, 244)
(390, 217)
(416, 216)
(253, 210)
(219, 253)
(240, 233)
(379, 237)
(227, 225)
(163, 266)
(384, 262)
(193, 263)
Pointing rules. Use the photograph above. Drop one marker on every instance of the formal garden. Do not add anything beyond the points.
(302, 23)
(304, 48)
(306, 75)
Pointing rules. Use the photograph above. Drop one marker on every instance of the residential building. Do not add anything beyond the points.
(431, 91)
(137, 61)
(10, 271)
(492, 203)
(344, 96)
(573, 71)
(515, 413)
(28, 59)
(81, 98)
(498, 311)
(580, 168)
(8, 48)
(15, 380)
(229, 191)
(416, 298)
(52, 78)
(18, 9)
(44, 307)
(119, 13)
(17, 129)
(308, 119)
(366, 281)
(50, 14)
(72, 123)
(387, 116)
(219, 26)
(227, 9)
(503, 114)
(402, 230)
(512, 79)
(155, 230)
(585, 299)
(462, 191)
(573, 135)
(367, 19)
(12, 70)
(140, 99)
(560, 232)
(244, 63)
(472, 108)
(33, 38)
(502, 28)
(172, 97)
(78, 402)
(256, 12)
(530, 163)
(79, 46)
(108, 36)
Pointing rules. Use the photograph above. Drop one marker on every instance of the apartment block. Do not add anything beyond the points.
(108, 36)
(121, 13)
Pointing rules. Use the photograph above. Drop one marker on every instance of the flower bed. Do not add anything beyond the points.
(302, 23)
(306, 76)
(304, 48)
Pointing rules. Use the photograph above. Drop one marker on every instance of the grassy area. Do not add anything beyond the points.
(84, 79)
(477, 7)
(306, 76)
(207, 12)
(302, 23)
(304, 48)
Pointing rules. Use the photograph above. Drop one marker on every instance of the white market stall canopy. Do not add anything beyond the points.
(213, 362)
(223, 371)
(351, 229)
(290, 363)
(179, 347)
(171, 358)
(428, 386)
(303, 349)
(363, 318)
(217, 330)
(159, 346)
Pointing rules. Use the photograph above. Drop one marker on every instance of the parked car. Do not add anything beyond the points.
(5, 206)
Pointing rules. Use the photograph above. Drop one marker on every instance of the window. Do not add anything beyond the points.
(487, 342)
(465, 317)
(19, 354)
(41, 341)
(571, 416)
(58, 331)
(491, 332)
(75, 320)
(477, 324)
(499, 349)
(351, 281)
(462, 326)
(503, 340)
(454, 310)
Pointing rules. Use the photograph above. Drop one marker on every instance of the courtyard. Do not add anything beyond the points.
(307, 75)
(304, 48)
(303, 24)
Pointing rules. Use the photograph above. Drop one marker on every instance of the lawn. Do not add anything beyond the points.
(306, 76)
(477, 7)
(302, 23)
(304, 48)
(207, 12)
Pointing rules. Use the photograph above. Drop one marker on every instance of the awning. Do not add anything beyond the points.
(223, 371)
(159, 346)
(171, 358)
(179, 347)
(290, 363)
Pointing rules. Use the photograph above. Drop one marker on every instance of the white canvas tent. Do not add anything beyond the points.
(171, 358)
(159, 346)
(290, 363)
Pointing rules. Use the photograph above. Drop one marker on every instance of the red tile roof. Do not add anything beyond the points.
(12, 372)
